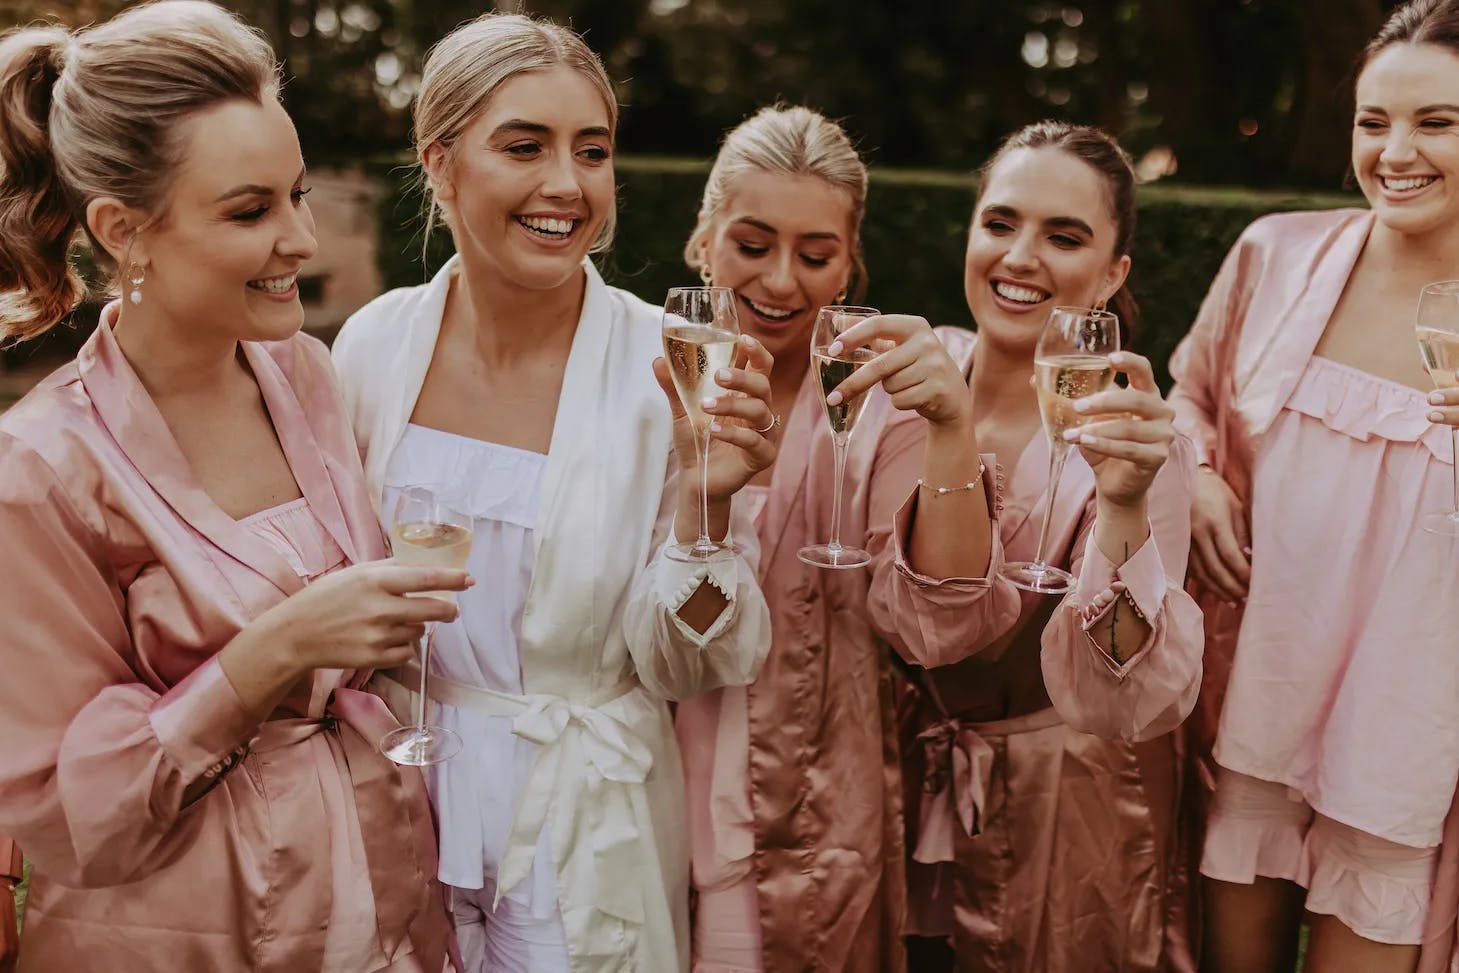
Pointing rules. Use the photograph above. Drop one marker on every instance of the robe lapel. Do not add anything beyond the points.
(302, 450)
(570, 542)
(1293, 336)
(788, 481)
(410, 361)
(136, 425)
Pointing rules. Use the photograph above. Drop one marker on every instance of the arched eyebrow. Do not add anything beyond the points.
(1053, 222)
(767, 228)
(254, 189)
(537, 128)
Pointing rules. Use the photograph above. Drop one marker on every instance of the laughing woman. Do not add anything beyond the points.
(188, 756)
(1337, 752)
(1043, 779)
(520, 379)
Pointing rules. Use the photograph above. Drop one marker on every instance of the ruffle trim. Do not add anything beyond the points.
(1363, 407)
(1238, 849)
(1384, 906)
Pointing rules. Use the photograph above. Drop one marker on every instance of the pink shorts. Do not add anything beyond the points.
(1377, 888)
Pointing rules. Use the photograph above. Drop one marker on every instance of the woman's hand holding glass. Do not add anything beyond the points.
(1129, 440)
(740, 434)
(912, 366)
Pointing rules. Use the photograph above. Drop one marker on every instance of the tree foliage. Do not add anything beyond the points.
(1248, 91)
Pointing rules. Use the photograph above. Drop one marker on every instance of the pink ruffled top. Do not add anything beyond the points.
(1346, 679)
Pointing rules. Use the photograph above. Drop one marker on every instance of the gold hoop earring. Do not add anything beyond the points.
(705, 275)
(841, 297)
(1102, 304)
(136, 276)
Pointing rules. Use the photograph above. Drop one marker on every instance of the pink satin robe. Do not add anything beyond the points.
(123, 582)
(795, 779)
(1258, 327)
(1044, 780)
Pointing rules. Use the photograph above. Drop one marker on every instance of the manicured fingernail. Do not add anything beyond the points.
(835, 348)
(723, 375)
(747, 341)
(1070, 435)
(1087, 439)
(1436, 398)
(1246, 551)
(1436, 417)
(834, 398)
(470, 581)
(1117, 358)
(709, 403)
(1081, 405)
(715, 427)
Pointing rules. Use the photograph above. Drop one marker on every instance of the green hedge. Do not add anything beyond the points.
(915, 232)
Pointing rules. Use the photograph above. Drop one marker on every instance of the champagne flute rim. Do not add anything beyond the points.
(1440, 288)
(700, 289)
(1088, 312)
(850, 309)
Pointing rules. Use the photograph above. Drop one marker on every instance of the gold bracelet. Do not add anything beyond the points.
(944, 491)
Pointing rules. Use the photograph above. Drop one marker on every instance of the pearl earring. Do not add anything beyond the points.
(136, 276)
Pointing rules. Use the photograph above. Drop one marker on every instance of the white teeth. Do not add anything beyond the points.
(274, 285)
(543, 224)
(1412, 182)
(1023, 295)
(773, 313)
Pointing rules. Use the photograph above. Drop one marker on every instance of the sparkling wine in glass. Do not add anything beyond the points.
(831, 371)
(1070, 362)
(427, 532)
(1437, 328)
(700, 331)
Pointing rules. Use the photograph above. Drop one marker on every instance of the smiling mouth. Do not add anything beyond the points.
(773, 314)
(548, 227)
(1406, 184)
(274, 285)
(1019, 294)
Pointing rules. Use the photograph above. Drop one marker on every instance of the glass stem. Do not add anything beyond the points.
(704, 541)
(1455, 432)
(838, 443)
(425, 671)
(1057, 457)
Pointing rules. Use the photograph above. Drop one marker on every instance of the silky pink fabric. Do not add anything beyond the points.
(1044, 780)
(152, 850)
(1242, 362)
(793, 781)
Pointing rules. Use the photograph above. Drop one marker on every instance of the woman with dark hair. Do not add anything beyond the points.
(1043, 779)
(1313, 419)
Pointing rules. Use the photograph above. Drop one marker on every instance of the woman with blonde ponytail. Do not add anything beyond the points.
(187, 759)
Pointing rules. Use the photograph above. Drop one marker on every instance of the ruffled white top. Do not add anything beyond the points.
(475, 793)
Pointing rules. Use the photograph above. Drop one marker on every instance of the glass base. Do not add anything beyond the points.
(1445, 523)
(1036, 577)
(834, 556)
(416, 747)
(697, 553)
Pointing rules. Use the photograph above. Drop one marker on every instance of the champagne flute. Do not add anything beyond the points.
(1437, 327)
(429, 533)
(831, 371)
(701, 330)
(1070, 362)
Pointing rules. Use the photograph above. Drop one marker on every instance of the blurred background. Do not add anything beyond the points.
(1231, 108)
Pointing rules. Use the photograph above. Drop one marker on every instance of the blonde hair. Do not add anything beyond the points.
(793, 141)
(97, 113)
(467, 66)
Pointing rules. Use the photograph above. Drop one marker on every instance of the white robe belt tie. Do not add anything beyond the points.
(572, 736)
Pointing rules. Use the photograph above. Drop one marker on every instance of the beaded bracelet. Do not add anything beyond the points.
(944, 491)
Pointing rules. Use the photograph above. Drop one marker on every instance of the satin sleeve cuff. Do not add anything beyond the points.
(1143, 576)
(902, 533)
(201, 722)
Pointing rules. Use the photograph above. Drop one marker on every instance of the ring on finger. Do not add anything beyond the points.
(774, 421)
